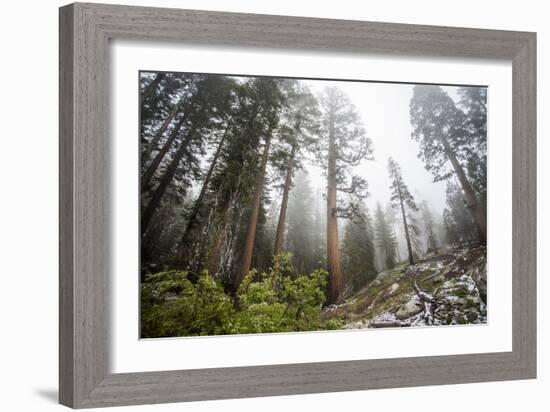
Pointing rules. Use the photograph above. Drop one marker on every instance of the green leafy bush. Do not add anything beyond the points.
(276, 301)
(171, 305)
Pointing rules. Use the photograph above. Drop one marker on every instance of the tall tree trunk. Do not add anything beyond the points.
(405, 225)
(154, 203)
(246, 259)
(407, 235)
(280, 235)
(219, 238)
(151, 169)
(333, 253)
(476, 209)
(198, 203)
(146, 154)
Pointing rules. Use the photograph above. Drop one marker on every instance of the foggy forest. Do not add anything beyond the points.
(290, 205)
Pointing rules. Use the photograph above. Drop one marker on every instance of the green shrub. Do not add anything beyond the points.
(171, 305)
(278, 300)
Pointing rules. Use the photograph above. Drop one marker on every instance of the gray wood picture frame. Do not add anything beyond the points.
(85, 31)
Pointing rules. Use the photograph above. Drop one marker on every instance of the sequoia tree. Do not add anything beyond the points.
(444, 133)
(358, 250)
(343, 145)
(271, 97)
(210, 101)
(473, 102)
(234, 181)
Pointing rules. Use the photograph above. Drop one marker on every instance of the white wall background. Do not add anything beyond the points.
(28, 206)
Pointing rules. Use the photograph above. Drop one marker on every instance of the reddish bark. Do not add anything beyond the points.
(333, 256)
(246, 259)
(280, 235)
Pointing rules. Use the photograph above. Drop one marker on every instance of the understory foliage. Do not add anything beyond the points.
(278, 300)
(358, 260)
(254, 213)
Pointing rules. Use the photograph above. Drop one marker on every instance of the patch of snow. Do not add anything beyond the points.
(393, 288)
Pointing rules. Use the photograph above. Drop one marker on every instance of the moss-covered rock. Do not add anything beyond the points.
(452, 279)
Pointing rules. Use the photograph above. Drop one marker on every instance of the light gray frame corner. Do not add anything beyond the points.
(85, 31)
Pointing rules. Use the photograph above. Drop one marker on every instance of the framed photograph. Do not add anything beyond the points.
(256, 205)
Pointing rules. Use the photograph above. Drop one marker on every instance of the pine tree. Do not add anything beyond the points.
(299, 130)
(271, 99)
(393, 220)
(163, 103)
(204, 117)
(200, 98)
(460, 227)
(358, 253)
(473, 102)
(442, 131)
(403, 200)
(262, 256)
(319, 233)
(451, 230)
(427, 218)
(193, 217)
(385, 237)
(232, 182)
(300, 237)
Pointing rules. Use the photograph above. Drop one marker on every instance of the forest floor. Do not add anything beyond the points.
(449, 288)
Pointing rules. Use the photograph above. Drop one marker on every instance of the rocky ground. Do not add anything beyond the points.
(441, 289)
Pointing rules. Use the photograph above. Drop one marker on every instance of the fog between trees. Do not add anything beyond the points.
(348, 177)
